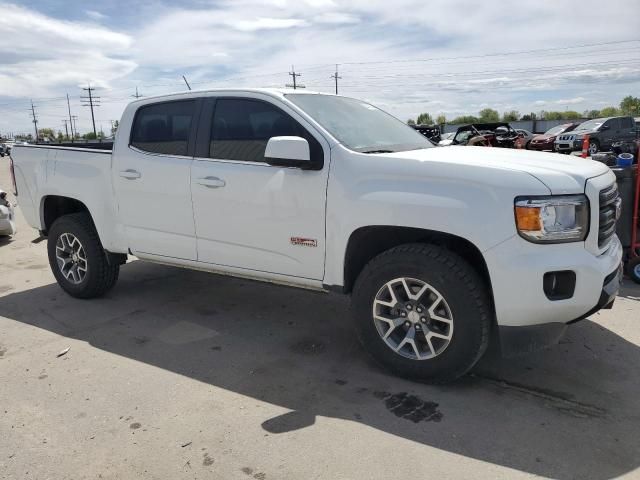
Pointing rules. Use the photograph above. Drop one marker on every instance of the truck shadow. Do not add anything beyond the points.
(569, 412)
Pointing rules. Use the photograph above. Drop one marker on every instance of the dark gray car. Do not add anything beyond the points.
(602, 133)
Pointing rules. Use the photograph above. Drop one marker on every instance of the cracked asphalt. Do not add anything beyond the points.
(183, 374)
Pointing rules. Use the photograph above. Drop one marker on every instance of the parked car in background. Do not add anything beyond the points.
(546, 140)
(603, 132)
(432, 132)
(446, 139)
(525, 135)
(7, 216)
(496, 134)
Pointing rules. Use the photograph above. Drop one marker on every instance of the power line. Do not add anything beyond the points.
(93, 101)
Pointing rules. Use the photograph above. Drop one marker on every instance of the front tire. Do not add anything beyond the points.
(594, 147)
(633, 269)
(77, 259)
(422, 312)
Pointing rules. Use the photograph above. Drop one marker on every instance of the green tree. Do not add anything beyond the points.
(591, 113)
(441, 120)
(529, 116)
(571, 115)
(510, 116)
(464, 119)
(609, 112)
(424, 119)
(60, 136)
(489, 115)
(630, 106)
(46, 133)
(411, 121)
(90, 136)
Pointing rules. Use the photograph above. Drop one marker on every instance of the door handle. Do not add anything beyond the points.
(211, 182)
(130, 174)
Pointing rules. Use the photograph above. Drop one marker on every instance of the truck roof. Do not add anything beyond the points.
(276, 92)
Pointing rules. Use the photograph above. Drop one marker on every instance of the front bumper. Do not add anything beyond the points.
(517, 268)
(515, 340)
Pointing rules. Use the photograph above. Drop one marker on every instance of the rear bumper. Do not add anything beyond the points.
(517, 340)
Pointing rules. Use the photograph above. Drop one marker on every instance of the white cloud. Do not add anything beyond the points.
(570, 101)
(95, 15)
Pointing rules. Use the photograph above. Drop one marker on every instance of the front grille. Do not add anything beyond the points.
(609, 205)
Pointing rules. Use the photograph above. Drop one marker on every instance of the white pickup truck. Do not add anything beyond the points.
(441, 249)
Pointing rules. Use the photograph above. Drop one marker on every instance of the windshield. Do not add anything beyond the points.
(556, 130)
(590, 125)
(359, 125)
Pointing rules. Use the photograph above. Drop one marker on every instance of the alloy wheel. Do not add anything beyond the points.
(413, 318)
(71, 258)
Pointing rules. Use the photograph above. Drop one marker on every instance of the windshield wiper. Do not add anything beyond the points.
(378, 151)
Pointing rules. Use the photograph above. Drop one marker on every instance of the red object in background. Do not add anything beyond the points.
(585, 147)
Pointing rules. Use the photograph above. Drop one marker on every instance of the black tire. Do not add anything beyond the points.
(633, 269)
(100, 275)
(594, 147)
(463, 290)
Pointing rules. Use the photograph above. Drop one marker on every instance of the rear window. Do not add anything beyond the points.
(163, 127)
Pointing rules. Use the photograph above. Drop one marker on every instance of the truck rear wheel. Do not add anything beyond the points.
(422, 312)
(77, 258)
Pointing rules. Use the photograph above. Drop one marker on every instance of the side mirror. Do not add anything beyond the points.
(288, 152)
(604, 127)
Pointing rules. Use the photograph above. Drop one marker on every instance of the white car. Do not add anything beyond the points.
(7, 216)
(439, 248)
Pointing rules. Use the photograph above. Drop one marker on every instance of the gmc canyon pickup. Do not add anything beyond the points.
(441, 249)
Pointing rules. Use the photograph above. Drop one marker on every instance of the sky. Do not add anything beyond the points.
(447, 57)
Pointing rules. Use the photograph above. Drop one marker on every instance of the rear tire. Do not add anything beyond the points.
(77, 258)
(453, 310)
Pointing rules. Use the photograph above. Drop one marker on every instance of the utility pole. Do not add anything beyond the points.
(93, 101)
(185, 81)
(137, 95)
(74, 125)
(35, 120)
(70, 121)
(336, 78)
(294, 75)
(66, 130)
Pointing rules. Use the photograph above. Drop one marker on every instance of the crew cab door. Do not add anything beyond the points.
(249, 214)
(151, 177)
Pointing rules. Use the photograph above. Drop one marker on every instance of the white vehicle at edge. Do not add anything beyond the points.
(441, 249)
(7, 216)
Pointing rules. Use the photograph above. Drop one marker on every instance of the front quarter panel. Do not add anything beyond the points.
(472, 202)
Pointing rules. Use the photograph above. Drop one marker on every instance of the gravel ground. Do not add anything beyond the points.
(183, 374)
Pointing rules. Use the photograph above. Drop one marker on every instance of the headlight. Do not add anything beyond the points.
(554, 219)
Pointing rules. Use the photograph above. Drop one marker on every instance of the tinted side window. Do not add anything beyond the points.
(241, 129)
(627, 122)
(163, 127)
(613, 124)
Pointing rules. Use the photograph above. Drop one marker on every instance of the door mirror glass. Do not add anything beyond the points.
(288, 152)
(605, 127)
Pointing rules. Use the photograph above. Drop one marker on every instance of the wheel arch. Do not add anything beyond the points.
(53, 207)
(365, 243)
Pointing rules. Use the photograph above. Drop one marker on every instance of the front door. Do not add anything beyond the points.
(249, 214)
(151, 176)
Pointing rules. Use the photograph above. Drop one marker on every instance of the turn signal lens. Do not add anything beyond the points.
(528, 219)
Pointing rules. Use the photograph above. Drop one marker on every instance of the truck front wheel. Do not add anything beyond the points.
(77, 258)
(422, 312)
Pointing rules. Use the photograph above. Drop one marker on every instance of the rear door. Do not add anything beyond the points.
(628, 128)
(249, 214)
(151, 176)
